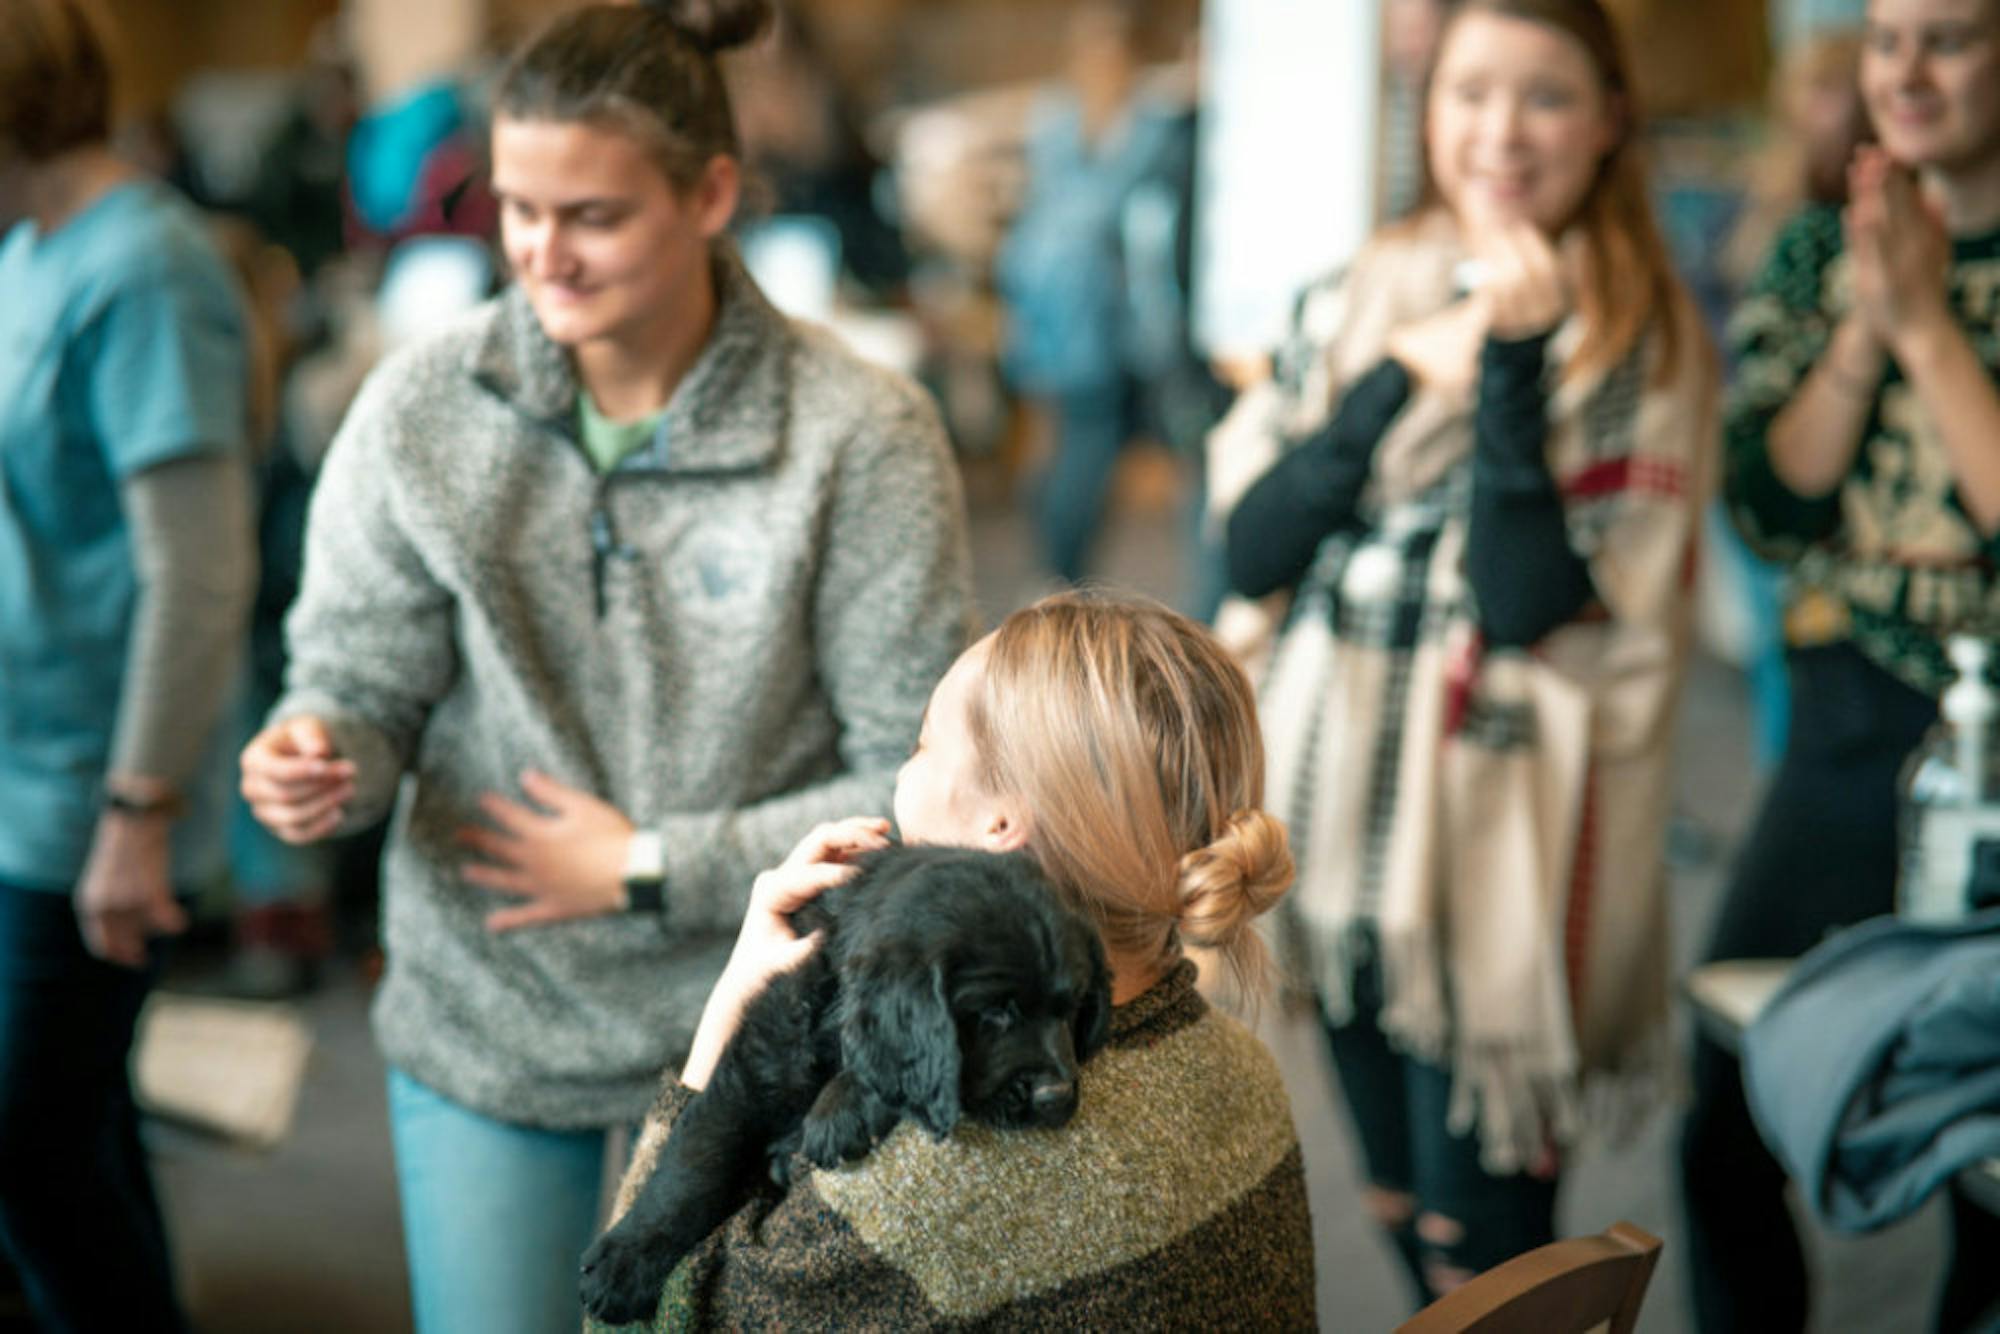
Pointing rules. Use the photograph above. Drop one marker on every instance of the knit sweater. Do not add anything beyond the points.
(1889, 558)
(729, 637)
(1174, 1199)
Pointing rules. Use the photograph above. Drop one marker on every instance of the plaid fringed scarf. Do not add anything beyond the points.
(1490, 821)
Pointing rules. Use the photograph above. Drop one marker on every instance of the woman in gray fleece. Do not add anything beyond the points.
(614, 590)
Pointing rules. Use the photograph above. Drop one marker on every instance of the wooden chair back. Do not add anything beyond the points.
(1566, 1287)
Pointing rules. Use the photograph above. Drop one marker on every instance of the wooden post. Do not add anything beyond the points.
(399, 44)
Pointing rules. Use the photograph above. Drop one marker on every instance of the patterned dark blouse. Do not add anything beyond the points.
(1889, 559)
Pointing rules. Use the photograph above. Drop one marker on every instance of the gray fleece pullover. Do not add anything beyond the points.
(744, 651)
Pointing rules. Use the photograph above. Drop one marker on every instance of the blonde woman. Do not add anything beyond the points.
(1118, 745)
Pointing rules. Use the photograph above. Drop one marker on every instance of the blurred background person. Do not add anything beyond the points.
(280, 925)
(1860, 454)
(1487, 510)
(807, 157)
(297, 193)
(296, 206)
(613, 590)
(1817, 121)
(126, 570)
(1181, 396)
(1061, 272)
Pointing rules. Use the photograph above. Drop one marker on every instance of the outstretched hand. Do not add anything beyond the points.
(295, 780)
(563, 857)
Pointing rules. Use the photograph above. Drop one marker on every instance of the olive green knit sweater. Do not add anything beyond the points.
(1174, 1199)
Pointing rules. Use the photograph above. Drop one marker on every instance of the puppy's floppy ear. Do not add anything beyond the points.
(898, 1037)
(1092, 1026)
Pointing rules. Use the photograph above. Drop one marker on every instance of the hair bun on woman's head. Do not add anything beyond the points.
(715, 25)
(1234, 880)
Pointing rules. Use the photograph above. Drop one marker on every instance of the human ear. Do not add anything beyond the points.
(1005, 826)
(717, 193)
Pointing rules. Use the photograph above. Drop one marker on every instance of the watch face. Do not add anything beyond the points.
(645, 895)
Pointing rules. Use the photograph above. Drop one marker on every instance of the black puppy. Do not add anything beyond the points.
(950, 983)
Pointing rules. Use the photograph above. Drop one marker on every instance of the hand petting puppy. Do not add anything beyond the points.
(767, 945)
(949, 984)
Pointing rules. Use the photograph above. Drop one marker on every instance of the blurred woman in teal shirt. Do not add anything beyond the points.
(125, 575)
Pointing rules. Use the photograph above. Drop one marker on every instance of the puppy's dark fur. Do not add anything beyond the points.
(950, 983)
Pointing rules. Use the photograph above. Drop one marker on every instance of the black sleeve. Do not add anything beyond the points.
(1312, 489)
(1525, 577)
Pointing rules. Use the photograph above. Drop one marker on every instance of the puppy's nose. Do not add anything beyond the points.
(1053, 1101)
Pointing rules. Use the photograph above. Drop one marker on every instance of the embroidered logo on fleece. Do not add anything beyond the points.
(720, 569)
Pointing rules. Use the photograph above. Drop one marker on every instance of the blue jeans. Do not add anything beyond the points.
(78, 1216)
(496, 1217)
(1092, 425)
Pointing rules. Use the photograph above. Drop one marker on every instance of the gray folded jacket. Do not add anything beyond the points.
(1874, 1073)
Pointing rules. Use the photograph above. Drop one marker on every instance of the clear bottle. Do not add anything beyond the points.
(1950, 816)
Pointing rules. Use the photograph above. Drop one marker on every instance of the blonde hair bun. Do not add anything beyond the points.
(1234, 880)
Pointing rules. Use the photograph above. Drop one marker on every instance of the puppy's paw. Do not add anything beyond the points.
(623, 1275)
(829, 1141)
(779, 1157)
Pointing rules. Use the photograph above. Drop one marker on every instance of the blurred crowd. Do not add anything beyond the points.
(1025, 252)
(1642, 385)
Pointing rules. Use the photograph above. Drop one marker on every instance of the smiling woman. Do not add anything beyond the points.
(612, 256)
(616, 589)
(1860, 456)
(1494, 434)
(608, 211)
(1931, 78)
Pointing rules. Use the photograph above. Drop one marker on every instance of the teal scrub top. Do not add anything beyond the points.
(121, 347)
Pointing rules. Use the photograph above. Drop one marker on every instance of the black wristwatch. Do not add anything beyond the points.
(170, 805)
(646, 873)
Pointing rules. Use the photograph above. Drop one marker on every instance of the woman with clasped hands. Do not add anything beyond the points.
(1863, 448)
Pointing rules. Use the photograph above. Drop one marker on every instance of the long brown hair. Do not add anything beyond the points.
(646, 70)
(1628, 284)
(1132, 736)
